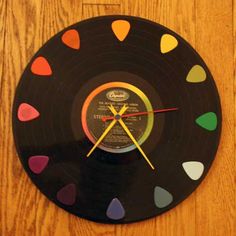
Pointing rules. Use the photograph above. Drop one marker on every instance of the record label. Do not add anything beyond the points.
(117, 94)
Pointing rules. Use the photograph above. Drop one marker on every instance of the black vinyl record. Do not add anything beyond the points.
(116, 119)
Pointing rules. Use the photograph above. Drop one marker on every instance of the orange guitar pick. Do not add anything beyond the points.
(71, 39)
(40, 66)
(121, 29)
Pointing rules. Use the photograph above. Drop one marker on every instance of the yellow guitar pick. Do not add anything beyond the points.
(168, 43)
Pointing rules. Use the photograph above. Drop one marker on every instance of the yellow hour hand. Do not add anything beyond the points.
(121, 112)
(131, 136)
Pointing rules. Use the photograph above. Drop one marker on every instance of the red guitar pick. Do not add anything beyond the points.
(26, 112)
(40, 66)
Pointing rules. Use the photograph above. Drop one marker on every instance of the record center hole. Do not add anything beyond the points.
(117, 117)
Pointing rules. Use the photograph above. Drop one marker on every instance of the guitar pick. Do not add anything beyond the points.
(194, 169)
(38, 163)
(121, 29)
(168, 43)
(67, 194)
(207, 121)
(26, 112)
(196, 75)
(71, 38)
(40, 66)
(115, 210)
(162, 197)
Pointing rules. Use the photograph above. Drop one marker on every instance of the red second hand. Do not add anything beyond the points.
(105, 118)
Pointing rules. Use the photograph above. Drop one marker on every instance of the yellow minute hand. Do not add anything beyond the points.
(131, 136)
(121, 112)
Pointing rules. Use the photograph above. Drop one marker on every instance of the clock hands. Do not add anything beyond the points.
(105, 118)
(122, 110)
(117, 117)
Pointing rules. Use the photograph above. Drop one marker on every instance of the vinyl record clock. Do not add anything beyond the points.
(116, 119)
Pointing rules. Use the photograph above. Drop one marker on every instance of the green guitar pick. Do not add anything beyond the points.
(207, 121)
